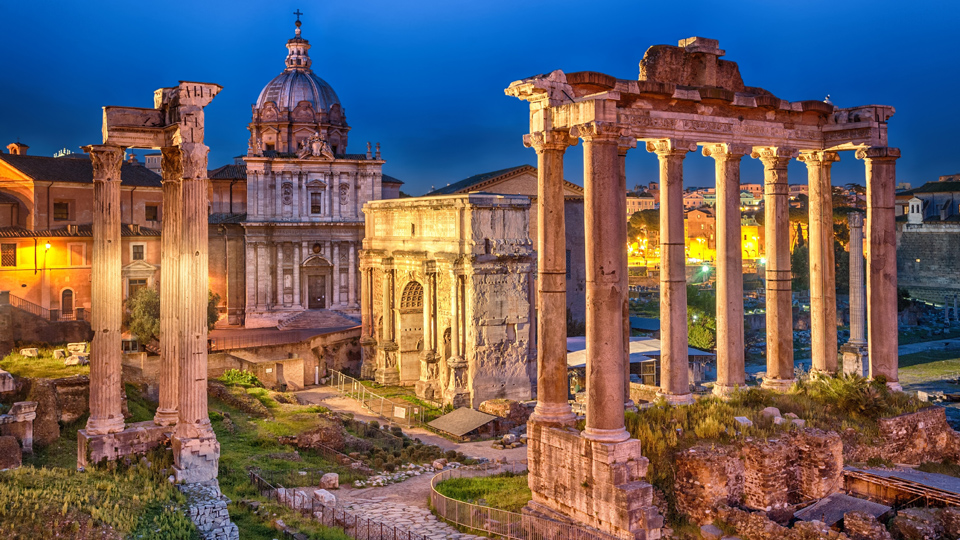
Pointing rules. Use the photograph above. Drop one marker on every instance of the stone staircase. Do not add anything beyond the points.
(317, 318)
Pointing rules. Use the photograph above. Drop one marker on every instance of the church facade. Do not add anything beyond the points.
(304, 225)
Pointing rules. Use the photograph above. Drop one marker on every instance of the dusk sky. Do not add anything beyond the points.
(426, 79)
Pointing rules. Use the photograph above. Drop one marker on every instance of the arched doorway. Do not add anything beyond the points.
(316, 284)
(66, 303)
(411, 331)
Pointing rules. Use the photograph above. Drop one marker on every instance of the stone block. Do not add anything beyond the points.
(6, 382)
(325, 497)
(135, 439)
(46, 427)
(439, 464)
(77, 360)
(195, 459)
(798, 422)
(771, 412)
(330, 481)
(509, 438)
(30, 352)
(59, 354)
(78, 348)
(916, 524)
(743, 421)
(778, 420)
(10, 455)
(710, 532)
(864, 526)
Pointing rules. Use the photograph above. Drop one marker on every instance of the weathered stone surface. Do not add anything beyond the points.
(135, 439)
(950, 521)
(46, 428)
(863, 526)
(330, 481)
(207, 508)
(743, 421)
(705, 477)
(81, 347)
(77, 360)
(73, 397)
(59, 354)
(31, 352)
(325, 497)
(916, 524)
(10, 455)
(912, 439)
(771, 412)
(7, 383)
(710, 532)
(329, 435)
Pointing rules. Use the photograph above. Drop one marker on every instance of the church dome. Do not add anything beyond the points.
(298, 82)
(296, 85)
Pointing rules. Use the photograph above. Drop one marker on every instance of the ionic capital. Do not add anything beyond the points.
(671, 147)
(596, 131)
(878, 153)
(818, 157)
(774, 157)
(726, 151)
(106, 161)
(171, 164)
(624, 144)
(549, 140)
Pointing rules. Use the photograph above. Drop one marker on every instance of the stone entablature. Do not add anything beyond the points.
(448, 297)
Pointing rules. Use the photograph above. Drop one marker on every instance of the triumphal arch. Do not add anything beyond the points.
(685, 97)
(175, 126)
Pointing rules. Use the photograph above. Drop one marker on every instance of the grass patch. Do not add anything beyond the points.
(113, 502)
(141, 409)
(829, 403)
(920, 335)
(506, 491)
(239, 377)
(43, 367)
(927, 357)
(944, 467)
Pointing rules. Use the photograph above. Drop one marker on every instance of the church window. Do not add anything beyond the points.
(135, 285)
(152, 213)
(136, 252)
(316, 203)
(8, 254)
(61, 211)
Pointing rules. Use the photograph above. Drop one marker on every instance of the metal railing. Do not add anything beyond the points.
(391, 409)
(53, 315)
(501, 523)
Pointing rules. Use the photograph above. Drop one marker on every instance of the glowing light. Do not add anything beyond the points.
(763, 260)
(48, 245)
(706, 268)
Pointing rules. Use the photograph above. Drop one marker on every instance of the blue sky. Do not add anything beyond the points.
(426, 79)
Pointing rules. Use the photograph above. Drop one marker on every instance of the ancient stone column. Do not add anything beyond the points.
(605, 241)
(779, 278)
(456, 393)
(881, 262)
(624, 144)
(855, 349)
(674, 363)
(297, 261)
(552, 385)
(336, 273)
(388, 372)
(730, 366)
(279, 280)
(367, 332)
(172, 170)
(106, 291)
(194, 421)
(823, 287)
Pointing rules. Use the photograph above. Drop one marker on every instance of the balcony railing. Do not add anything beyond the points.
(53, 315)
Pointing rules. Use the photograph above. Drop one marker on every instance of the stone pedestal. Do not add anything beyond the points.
(595, 483)
(387, 373)
(855, 358)
(138, 438)
(368, 351)
(195, 459)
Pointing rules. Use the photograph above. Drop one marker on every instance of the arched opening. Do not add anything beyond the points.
(411, 331)
(315, 274)
(66, 303)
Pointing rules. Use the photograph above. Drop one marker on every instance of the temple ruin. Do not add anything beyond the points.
(685, 97)
(175, 125)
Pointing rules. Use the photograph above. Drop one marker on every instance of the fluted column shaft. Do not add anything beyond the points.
(106, 293)
(779, 277)
(823, 284)
(881, 262)
(172, 170)
(194, 283)
(552, 384)
(336, 273)
(858, 306)
(605, 241)
(674, 363)
(730, 362)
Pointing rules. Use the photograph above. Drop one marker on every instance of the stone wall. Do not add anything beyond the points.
(928, 260)
(911, 439)
(17, 325)
(767, 475)
(207, 508)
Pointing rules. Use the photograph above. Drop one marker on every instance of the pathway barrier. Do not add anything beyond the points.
(392, 409)
(501, 523)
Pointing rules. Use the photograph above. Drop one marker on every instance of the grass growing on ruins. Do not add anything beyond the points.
(918, 335)
(113, 502)
(847, 405)
(944, 467)
(506, 491)
(43, 367)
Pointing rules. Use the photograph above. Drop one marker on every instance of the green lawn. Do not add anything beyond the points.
(506, 491)
(44, 367)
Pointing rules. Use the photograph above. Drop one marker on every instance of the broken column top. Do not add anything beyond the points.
(701, 45)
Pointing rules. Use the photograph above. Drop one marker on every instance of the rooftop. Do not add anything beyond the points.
(76, 169)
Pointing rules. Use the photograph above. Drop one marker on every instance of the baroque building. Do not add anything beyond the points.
(305, 193)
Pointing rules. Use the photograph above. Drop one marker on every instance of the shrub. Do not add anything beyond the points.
(239, 377)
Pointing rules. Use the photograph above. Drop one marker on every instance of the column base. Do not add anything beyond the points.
(104, 426)
(676, 399)
(894, 386)
(610, 436)
(777, 385)
(166, 417)
(725, 390)
(553, 414)
(368, 352)
(855, 358)
(195, 459)
(138, 438)
(387, 372)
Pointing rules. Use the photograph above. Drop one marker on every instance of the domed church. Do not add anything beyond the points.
(305, 194)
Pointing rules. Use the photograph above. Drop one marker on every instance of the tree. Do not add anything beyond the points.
(800, 267)
(143, 314)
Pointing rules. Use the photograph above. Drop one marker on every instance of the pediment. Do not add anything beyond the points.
(316, 184)
(139, 269)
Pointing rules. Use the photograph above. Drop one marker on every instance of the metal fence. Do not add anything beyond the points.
(392, 409)
(52, 315)
(501, 523)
